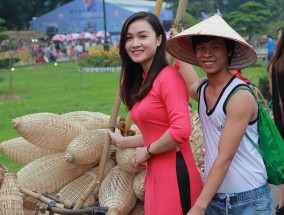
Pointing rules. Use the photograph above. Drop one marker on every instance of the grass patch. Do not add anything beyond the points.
(62, 89)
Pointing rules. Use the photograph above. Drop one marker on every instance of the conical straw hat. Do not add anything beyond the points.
(180, 46)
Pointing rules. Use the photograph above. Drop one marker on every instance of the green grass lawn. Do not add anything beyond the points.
(62, 89)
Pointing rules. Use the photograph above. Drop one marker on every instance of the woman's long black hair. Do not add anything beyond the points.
(278, 58)
(131, 79)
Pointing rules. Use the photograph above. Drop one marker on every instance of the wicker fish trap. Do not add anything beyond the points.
(116, 192)
(125, 160)
(50, 173)
(23, 152)
(36, 212)
(135, 128)
(99, 120)
(81, 116)
(138, 209)
(112, 152)
(90, 120)
(76, 188)
(3, 170)
(197, 143)
(87, 147)
(47, 130)
(138, 185)
(11, 201)
(11, 204)
(29, 203)
(10, 185)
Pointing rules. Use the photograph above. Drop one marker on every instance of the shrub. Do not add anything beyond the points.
(263, 86)
(5, 63)
(97, 57)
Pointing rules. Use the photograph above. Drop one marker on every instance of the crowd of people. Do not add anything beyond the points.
(51, 51)
(156, 95)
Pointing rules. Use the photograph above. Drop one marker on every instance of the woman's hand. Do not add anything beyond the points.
(141, 156)
(116, 138)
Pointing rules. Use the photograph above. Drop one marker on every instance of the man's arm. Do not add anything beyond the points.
(190, 77)
(187, 71)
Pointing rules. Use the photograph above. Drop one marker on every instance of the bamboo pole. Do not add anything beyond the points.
(158, 7)
(43, 198)
(88, 210)
(178, 23)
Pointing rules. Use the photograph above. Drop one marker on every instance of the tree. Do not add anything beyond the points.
(19, 13)
(276, 8)
(250, 19)
(194, 7)
(10, 46)
(3, 36)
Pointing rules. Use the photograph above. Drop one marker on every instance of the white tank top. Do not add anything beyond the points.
(247, 170)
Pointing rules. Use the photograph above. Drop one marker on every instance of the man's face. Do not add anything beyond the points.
(212, 56)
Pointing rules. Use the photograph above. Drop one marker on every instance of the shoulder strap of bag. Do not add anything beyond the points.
(260, 108)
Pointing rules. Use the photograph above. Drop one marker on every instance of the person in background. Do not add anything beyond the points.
(276, 82)
(157, 98)
(235, 174)
(238, 74)
(270, 47)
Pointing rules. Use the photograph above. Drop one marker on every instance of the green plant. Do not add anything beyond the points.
(263, 86)
(5, 63)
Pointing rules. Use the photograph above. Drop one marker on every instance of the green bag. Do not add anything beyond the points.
(271, 144)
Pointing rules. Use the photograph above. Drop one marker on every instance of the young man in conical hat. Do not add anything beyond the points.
(235, 175)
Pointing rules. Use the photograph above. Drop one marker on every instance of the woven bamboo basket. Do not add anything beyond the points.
(81, 116)
(23, 152)
(50, 173)
(10, 185)
(87, 147)
(35, 212)
(138, 209)
(135, 128)
(47, 130)
(197, 144)
(3, 170)
(29, 203)
(125, 160)
(76, 188)
(11, 204)
(30, 207)
(112, 152)
(90, 120)
(11, 201)
(138, 185)
(116, 192)
(99, 120)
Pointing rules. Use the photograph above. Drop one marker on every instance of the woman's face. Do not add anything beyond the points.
(141, 43)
